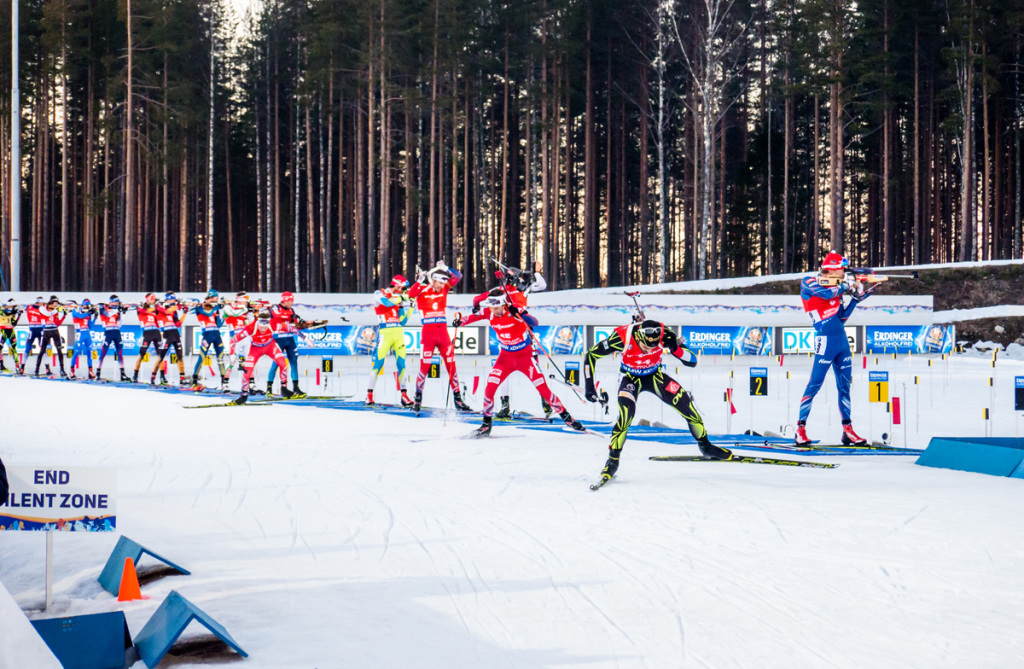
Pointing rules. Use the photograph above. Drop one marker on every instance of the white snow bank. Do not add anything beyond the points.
(20, 644)
(998, 311)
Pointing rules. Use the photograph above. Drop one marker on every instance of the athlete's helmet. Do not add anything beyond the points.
(834, 261)
(399, 281)
(150, 298)
(286, 296)
(649, 333)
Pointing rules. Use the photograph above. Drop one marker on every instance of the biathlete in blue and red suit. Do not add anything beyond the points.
(642, 346)
(35, 329)
(210, 319)
(822, 296)
(431, 294)
(53, 316)
(146, 313)
(512, 328)
(261, 335)
(110, 317)
(169, 316)
(83, 316)
(286, 323)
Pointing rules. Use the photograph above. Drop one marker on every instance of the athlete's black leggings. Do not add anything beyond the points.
(667, 390)
(10, 340)
(50, 336)
(172, 339)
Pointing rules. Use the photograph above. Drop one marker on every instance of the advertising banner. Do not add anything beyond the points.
(556, 339)
(362, 340)
(66, 499)
(909, 339)
(801, 340)
(727, 340)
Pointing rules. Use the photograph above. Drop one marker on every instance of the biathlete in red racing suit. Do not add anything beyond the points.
(642, 346)
(515, 340)
(169, 316)
(150, 332)
(431, 295)
(262, 343)
(53, 316)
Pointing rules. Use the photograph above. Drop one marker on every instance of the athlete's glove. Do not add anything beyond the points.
(513, 309)
(865, 294)
(591, 392)
(476, 308)
(457, 322)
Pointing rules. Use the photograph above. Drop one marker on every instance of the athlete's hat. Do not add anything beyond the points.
(834, 261)
(114, 299)
(287, 295)
(212, 293)
(242, 295)
(150, 298)
(399, 281)
(53, 298)
(86, 302)
(169, 296)
(39, 300)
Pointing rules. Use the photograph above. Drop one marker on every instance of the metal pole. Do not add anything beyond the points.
(49, 570)
(15, 155)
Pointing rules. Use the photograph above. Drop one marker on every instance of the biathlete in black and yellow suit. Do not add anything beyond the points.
(9, 314)
(393, 309)
(642, 346)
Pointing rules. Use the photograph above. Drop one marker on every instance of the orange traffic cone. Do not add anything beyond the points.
(129, 590)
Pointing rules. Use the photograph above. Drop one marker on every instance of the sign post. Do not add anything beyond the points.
(68, 499)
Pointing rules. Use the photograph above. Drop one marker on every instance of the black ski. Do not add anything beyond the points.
(752, 459)
(257, 403)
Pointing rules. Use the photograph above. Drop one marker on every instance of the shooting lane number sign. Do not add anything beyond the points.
(878, 387)
(758, 381)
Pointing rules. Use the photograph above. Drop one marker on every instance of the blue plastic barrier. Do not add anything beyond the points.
(996, 456)
(97, 641)
(110, 577)
(167, 624)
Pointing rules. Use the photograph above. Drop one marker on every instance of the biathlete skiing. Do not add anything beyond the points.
(110, 317)
(262, 343)
(513, 329)
(642, 346)
(431, 295)
(517, 284)
(824, 304)
(393, 308)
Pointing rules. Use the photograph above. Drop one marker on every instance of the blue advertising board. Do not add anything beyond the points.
(556, 339)
(362, 340)
(909, 339)
(726, 340)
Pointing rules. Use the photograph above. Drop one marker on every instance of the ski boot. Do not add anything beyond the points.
(163, 379)
(242, 399)
(505, 412)
(224, 384)
(21, 370)
(571, 422)
(196, 385)
(72, 376)
(405, 401)
(92, 375)
(297, 393)
(127, 379)
(135, 376)
(457, 401)
(369, 398)
(483, 431)
(63, 374)
(709, 450)
(270, 388)
(548, 409)
(611, 465)
(851, 438)
(286, 392)
(801, 438)
(417, 402)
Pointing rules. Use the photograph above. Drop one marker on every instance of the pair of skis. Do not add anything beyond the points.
(750, 459)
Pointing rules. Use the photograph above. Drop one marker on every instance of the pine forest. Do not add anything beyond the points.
(326, 145)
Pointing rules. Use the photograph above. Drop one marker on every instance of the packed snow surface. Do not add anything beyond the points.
(333, 538)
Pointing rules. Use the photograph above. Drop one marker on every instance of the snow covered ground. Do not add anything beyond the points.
(325, 538)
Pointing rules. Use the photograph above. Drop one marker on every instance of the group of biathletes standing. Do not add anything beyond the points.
(161, 320)
(271, 331)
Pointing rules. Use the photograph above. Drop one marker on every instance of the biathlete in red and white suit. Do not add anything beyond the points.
(53, 316)
(262, 343)
(642, 346)
(431, 295)
(35, 329)
(516, 342)
(237, 315)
